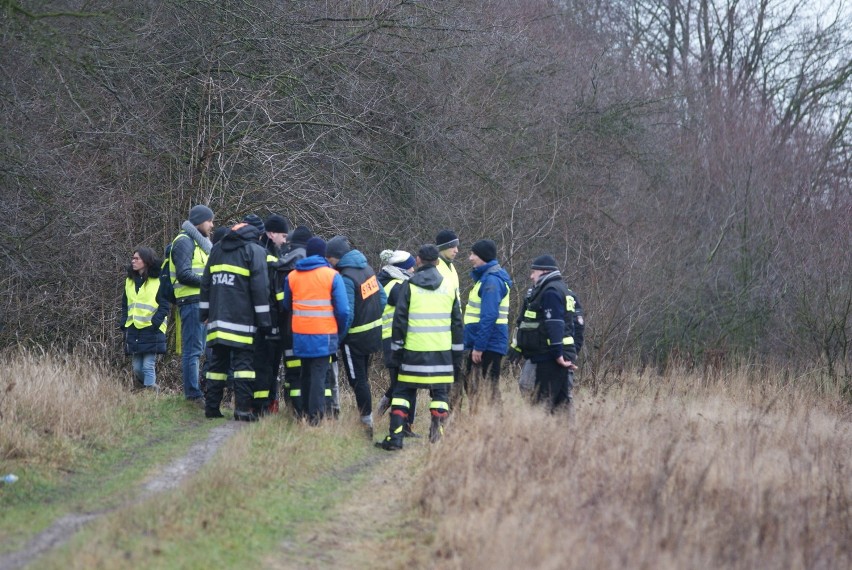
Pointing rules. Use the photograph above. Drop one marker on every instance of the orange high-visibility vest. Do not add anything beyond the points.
(313, 312)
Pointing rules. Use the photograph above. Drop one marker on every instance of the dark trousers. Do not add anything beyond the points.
(394, 375)
(482, 381)
(457, 390)
(357, 366)
(267, 360)
(313, 388)
(292, 389)
(553, 385)
(240, 363)
(405, 394)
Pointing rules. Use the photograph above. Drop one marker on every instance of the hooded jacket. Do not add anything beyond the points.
(494, 284)
(151, 338)
(317, 345)
(365, 305)
(235, 289)
(276, 291)
(418, 363)
(548, 313)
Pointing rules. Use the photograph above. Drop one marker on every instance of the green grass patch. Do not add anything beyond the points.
(266, 483)
(100, 473)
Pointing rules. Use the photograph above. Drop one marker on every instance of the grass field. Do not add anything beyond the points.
(751, 470)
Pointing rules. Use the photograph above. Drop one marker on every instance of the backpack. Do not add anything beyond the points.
(166, 287)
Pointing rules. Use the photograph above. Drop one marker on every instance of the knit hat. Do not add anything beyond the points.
(485, 249)
(254, 220)
(446, 239)
(200, 214)
(315, 246)
(428, 252)
(338, 246)
(402, 259)
(545, 263)
(300, 235)
(218, 234)
(277, 224)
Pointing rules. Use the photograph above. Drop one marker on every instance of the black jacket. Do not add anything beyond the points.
(235, 289)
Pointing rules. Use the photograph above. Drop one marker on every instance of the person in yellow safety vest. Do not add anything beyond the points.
(234, 302)
(486, 323)
(398, 266)
(144, 311)
(366, 301)
(426, 339)
(448, 245)
(187, 258)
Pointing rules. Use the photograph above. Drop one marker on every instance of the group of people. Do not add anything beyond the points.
(259, 294)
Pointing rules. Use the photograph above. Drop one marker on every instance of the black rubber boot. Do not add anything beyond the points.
(393, 441)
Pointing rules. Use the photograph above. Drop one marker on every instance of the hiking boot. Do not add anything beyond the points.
(384, 405)
(212, 414)
(388, 445)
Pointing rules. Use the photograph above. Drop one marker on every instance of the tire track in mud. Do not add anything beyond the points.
(167, 478)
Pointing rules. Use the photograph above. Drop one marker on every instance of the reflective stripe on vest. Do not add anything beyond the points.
(387, 314)
(472, 312)
(142, 304)
(313, 312)
(199, 260)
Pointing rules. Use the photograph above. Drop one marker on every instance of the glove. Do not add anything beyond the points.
(515, 356)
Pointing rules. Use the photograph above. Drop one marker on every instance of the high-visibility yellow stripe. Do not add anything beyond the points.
(294, 363)
(295, 393)
(230, 336)
(228, 268)
(261, 394)
(401, 402)
(366, 327)
(328, 392)
(439, 406)
(244, 374)
(217, 376)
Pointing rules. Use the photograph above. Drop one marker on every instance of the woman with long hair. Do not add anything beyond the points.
(144, 314)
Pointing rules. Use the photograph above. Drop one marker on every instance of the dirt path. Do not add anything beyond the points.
(373, 527)
(167, 478)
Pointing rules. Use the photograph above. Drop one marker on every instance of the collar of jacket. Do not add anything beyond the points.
(205, 244)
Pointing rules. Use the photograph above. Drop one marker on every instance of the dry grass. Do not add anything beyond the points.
(659, 473)
(49, 402)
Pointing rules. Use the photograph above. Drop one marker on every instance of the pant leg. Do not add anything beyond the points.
(471, 381)
(193, 340)
(403, 394)
(357, 366)
(439, 409)
(314, 371)
(136, 366)
(265, 370)
(217, 377)
(490, 378)
(242, 361)
(457, 388)
(551, 382)
(149, 372)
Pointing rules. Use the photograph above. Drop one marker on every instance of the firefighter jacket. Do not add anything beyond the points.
(486, 315)
(276, 290)
(546, 324)
(235, 289)
(293, 252)
(187, 258)
(144, 312)
(315, 300)
(448, 270)
(366, 300)
(426, 336)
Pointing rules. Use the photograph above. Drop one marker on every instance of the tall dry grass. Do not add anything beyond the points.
(657, 473)
(51, 402)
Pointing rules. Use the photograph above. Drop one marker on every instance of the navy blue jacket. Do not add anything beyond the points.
(151, 338)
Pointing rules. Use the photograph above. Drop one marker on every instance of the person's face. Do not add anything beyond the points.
(278, 238)
(333, 261)
(451, 252)
(475, 260)
(536, 274)
(206, 228)
(136, 263)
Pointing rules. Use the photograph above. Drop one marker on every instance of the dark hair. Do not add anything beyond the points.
(149, 258)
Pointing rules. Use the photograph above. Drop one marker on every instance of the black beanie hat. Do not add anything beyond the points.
(338, 246)
(300, 235)
(446, 239)
(315, 246)
(428, 252)
(254, 220)
(485, 249)
(218, 234)
(545, 263)
(277, 224)
(200, 214)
